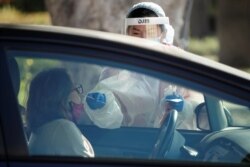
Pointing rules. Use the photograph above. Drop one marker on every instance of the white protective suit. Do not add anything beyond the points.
(137, 96)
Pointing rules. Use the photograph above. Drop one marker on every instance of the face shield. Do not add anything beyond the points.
(152, 28)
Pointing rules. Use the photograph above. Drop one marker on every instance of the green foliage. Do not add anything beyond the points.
(9, 14)
(28, 69)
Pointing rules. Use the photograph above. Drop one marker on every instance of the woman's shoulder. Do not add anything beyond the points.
(59, 125)
(63, 123)
(59, 128)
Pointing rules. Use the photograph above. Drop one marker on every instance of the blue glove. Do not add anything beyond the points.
(96, 100)
(176, 101)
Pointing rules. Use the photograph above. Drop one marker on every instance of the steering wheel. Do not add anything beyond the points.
(165, 136)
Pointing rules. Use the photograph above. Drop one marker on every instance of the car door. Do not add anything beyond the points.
(85, 56)
(2, 151)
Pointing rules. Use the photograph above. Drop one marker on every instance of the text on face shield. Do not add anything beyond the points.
(140, 21)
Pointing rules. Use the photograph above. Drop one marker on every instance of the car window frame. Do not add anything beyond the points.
(13, 132)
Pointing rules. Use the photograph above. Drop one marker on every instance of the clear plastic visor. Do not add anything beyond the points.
(146, 27)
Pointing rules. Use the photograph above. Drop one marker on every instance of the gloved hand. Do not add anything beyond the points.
(174, 101)
(102, 108)
(96, 100)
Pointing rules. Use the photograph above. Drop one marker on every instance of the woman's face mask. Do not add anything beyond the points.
(75, 102)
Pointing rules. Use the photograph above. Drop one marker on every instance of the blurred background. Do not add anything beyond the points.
(217, 29)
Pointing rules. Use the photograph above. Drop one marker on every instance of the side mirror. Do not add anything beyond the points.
(202, 117)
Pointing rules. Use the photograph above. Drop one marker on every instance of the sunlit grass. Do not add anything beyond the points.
(9, 14)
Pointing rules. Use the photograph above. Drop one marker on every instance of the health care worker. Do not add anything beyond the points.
(148, 20)
(128, 98)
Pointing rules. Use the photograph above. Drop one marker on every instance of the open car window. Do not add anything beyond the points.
(140, 97)
(134, 103)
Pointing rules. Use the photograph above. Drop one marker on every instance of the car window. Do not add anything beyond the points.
(238, 115)
(125, 107)
(127, 87)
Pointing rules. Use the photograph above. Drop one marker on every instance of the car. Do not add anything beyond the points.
(212, 127)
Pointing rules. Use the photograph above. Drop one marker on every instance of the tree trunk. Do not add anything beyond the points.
(199, 21)
(233, 32)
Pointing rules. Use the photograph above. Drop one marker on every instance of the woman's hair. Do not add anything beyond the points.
(48, 97)
(141, 12)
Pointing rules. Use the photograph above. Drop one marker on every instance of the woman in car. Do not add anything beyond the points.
(48, 109)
